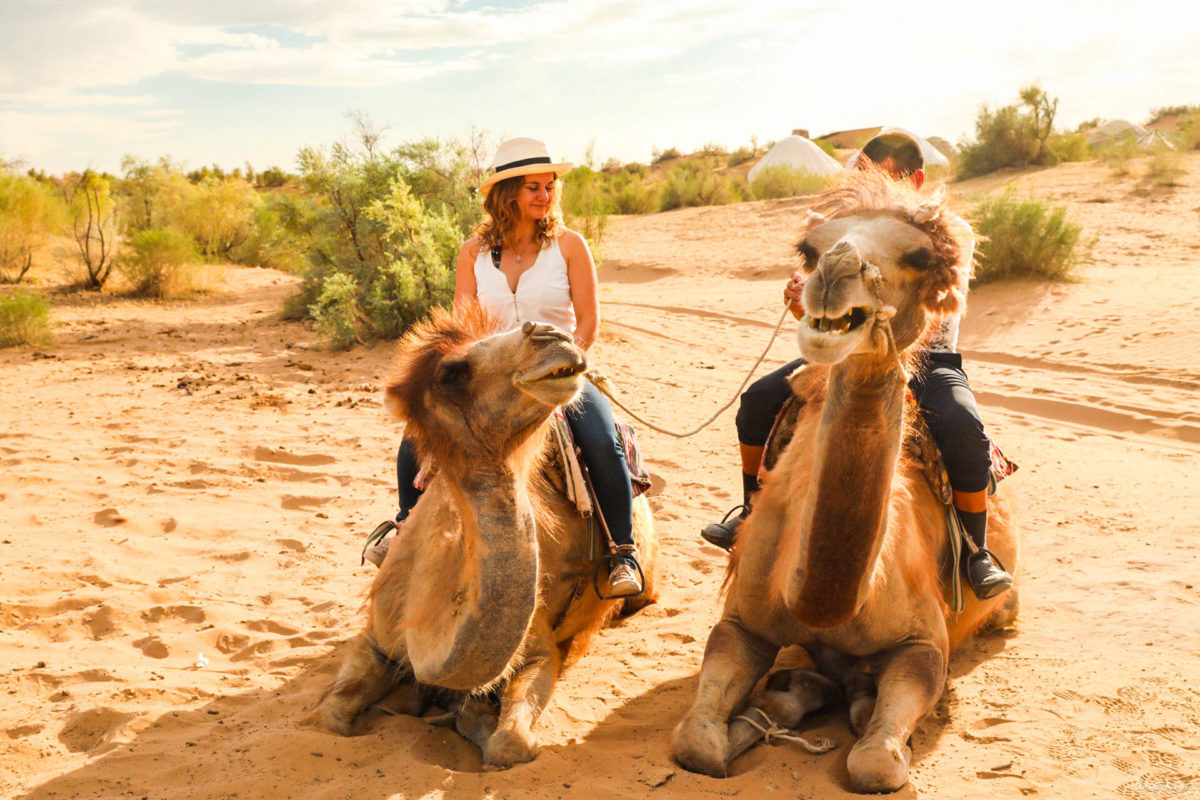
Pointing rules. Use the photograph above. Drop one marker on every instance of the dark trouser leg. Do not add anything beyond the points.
(591, 421)
(406, 472)
(948, 406)
(757, 409)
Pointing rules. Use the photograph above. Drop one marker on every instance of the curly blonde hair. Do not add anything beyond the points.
(501, 214)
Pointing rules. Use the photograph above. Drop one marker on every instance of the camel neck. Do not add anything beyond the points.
(498, 595)
(857, 448)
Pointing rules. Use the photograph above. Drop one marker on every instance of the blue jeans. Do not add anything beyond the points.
(591, 421)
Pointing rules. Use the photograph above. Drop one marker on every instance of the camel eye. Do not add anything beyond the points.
(453, 374)
(809, 254)
(920, 259)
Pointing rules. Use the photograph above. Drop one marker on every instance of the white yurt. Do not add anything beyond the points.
(1114, 130)
(798, 153)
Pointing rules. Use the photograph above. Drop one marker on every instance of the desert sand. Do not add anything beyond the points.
(186, 487)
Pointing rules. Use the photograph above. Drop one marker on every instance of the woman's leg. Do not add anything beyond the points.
(591, 421)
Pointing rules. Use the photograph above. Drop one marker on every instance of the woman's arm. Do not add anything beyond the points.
(465, 289)
(581, 272)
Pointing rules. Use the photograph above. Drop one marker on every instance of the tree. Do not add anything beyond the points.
(94, 226)
(1011, 136)
(1041, 109)
(30, 212)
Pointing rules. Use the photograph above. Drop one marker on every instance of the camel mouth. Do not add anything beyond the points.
(839, 326)
(560, 372)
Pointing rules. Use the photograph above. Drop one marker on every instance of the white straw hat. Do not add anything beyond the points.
(522, 157)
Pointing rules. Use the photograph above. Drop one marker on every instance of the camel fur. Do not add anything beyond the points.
(485, 593)
(846, 550)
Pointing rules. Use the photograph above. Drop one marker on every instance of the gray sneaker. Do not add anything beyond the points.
(623, 578)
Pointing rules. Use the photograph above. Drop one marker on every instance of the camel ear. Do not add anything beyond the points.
(813, 220)
(932, 208)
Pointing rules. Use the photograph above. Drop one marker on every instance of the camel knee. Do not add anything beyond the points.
(701, 745)
(510, 746)
(878, 764)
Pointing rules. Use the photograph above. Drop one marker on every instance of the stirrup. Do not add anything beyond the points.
(376, 536)
(607, 562)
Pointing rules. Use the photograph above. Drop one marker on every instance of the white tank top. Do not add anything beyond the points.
(543, 291)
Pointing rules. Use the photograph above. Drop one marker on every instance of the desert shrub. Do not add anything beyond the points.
(273, 178)
(694, 183)
(1069, 147)
(94, 226)
(1164, 168)
(441, 173)
(829, 148)
(586, 204)
(1026, 238)
(1011, 136)
(659, 156)
(1119, 155)
(24, 319)
(1189, 132)
(1157, 114)
(30, 213)
(283, 222)
(380, 258)
(739, 156)
(219, 214)
(636, 197)
(785, 182)
(713, 150)
(160, 262)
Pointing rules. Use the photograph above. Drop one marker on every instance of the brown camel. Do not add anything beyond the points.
(487, 589)
(846, 550)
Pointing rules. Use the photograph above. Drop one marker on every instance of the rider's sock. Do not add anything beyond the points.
(749, 488)
(975, 523)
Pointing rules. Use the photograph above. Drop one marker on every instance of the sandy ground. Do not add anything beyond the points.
(195, 478)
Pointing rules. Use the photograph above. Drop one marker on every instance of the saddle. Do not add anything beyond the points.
(920, 447)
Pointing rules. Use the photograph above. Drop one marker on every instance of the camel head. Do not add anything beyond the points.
(882, 263)
(469, 396)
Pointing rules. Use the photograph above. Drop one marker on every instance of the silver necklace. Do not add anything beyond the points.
(519, 249)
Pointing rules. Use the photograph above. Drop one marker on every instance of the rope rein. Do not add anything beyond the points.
(602, 383)
(770, 731)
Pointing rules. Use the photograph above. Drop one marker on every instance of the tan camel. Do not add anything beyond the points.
(846, 550)
(487, 588)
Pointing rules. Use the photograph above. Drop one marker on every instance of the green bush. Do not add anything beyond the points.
(586, 205)
(829, 148)
(24, 319)
(1069, 147)
(380, 256)
(1189, 132)
(160, 263)
(659, 156)
(1026, 238)
(636, 197)
(739, 156)
(1165, 168)
(1172, 111)
(785, 182)
(1011, 136)
(30, 212)
(694, 183)
(1119, 155)
(219, 213)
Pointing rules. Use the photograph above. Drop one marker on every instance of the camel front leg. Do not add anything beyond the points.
(734, 660)
(909, 679)
(364, 677)
(522, 701)
(789, 696)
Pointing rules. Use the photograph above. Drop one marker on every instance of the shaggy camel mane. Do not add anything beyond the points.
(873, 191)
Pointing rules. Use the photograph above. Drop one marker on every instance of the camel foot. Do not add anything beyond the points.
(878, 765)
(476, 721)
(701, 746)
(329, 719)
(409, 698)
(632, 605)
(859, 689)
(508, 747)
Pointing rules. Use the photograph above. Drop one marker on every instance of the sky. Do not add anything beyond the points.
(85, 82)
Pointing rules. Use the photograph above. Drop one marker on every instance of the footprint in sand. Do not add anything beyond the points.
(109, 518)
(152, 646)
(284, 457)
(87, 729)
(294, 503)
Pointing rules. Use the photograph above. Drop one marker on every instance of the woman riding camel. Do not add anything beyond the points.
(523, 265)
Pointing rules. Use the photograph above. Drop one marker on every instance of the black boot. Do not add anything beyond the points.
(985, 574)
(723, 533)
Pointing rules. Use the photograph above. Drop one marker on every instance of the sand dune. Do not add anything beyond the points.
(185, 489)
